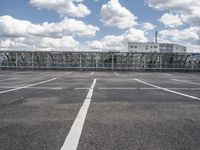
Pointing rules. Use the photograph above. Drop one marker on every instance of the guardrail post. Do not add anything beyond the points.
(32, 61)
(112, 65)
(16, 60)
(145, 62)
(160, 62)
(80, 61)
(1, 66)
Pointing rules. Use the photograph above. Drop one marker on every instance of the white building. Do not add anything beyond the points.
(143, 47)
(155, 47)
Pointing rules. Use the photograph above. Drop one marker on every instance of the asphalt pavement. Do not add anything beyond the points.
(63, 110)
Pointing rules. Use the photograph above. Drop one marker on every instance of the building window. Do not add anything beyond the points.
(135, 46)
(155, 47)
(131, 46)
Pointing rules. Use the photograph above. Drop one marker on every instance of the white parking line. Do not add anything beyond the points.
(166, 74)
(92, 73)
(139, 73)
(44, 72)
(72, 139)
(168, 90)
(116, 73)
(8, 79)
(27, 86)
(81, 88)
(186, 81)
(129, 88)
(67, 73)
(123, 88)
(48, 88)
(184, 88)
(24, 72)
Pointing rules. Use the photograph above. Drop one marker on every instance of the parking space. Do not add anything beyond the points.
(39, 116)
(99, 110)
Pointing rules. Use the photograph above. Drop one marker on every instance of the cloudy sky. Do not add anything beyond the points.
(104, 25)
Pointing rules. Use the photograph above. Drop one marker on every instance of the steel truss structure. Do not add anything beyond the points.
(99, 61)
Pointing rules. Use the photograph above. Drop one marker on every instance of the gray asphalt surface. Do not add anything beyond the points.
(124, 114)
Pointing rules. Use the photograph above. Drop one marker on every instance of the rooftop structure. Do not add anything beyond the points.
(155, 47)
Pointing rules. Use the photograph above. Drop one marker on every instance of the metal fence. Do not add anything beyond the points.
(38, 60)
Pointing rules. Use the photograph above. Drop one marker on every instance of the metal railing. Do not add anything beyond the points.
(100, 61)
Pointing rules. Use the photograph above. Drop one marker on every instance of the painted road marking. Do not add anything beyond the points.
(139, 73)
(101, 88)
(123, 88)
(36, 88)
(27, 86)
(44, 72)
(92, 73)
(24, 72)
(73, 137)
(166, 74)
(186, 81)
(81, 88)
(168, 90)
(116, 73)
(46, 88)
(8, 79)
(129, 88)
(67, 73)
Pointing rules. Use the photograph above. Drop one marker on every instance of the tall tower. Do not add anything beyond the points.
(156, 36)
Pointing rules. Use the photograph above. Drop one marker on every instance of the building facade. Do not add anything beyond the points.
(155, 47)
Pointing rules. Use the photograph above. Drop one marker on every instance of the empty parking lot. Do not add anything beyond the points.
(51, 110)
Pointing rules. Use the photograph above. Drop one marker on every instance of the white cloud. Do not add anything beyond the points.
(184, 5)
(73, 8)
(184, 11)
(118, 43)
(148, 26)
(189, 8)
(15, 28)
(193, 48)
(190, 35)
(134, 35)
(170, 20)
(15, 42)
(113, 14)
(44, 43)
(22, 33)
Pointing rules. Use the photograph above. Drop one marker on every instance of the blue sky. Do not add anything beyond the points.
(97, 24)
